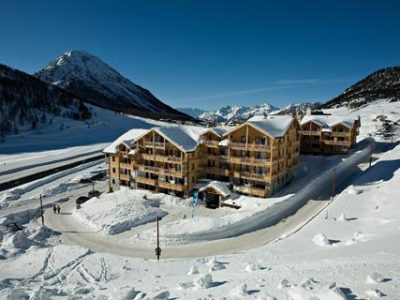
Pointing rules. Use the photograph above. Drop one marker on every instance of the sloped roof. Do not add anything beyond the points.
(187, 138)
(219, 186)
(275, 126)
(328, 121)
(128, 138)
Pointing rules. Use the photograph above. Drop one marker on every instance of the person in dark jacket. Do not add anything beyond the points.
(58, 209)
(55, 209)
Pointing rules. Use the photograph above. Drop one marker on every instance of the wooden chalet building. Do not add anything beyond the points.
(327, 134)
(255, 158)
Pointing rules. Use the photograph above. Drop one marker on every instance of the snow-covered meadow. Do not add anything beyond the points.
(347, 248)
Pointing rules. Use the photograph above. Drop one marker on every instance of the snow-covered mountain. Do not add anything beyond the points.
(229, 113)
(194, 112)
(89, 78)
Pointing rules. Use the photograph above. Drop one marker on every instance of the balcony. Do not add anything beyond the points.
(124, 177)
(125, 166)
(251, 190)
(251, 175)
(239, 146)
(171, 186)
(144, 180)
(162, 158)
(171, 172)
(337, 143)
(213, 144)
(217, 171)
(340, 134)
(310, 132)
(151, 169)
(220, 157)
(249, 161)
(250, 146)
(151, 144)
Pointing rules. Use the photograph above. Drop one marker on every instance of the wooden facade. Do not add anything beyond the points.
(319, 137)
(254, 161)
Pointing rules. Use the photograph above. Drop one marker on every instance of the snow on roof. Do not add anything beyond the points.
(128, 138)
(329, 120)
(224, 143)
(187, 138)
(276, 125)
(219, 186)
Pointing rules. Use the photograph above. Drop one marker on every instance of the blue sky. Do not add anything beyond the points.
(207, 54)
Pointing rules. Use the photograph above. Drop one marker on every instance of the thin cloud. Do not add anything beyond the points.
(277, 85)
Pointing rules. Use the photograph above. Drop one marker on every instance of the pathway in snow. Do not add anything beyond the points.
(73, 233)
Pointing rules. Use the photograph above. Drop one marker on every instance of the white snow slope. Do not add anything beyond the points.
(350, 250)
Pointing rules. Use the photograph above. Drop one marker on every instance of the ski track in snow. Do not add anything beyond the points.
(361, 262)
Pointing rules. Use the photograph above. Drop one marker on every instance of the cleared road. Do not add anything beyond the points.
(73, 233)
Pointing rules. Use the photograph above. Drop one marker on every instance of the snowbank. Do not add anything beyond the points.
(118, 212)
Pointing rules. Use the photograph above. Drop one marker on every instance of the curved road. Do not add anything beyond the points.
(72, 232)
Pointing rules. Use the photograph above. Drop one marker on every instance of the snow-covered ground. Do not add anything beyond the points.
(117, 212)
(347, 248)
(66, 134)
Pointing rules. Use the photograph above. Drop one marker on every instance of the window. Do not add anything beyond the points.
(260, 141)
(243, 139)
(192, 179)
(113, 170)
(192, 166)
(113, 181)
(113, 158)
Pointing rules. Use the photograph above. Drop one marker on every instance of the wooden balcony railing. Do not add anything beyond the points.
(171, 172)
(339, 143)
(251, 175)
(124, 177)
(310, 132)
(125, 166)
(162, 158)
(149, 143)
(210, 143)
(144, 180)
(217, 171)
(217, 156)
(250, 146)
(240, 146)
(171, 186)
(251, 190)
(151, 169)
(249, 161)
(340, 134)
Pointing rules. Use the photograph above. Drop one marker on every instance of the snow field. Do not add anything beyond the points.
(291, 268)
(118, 212)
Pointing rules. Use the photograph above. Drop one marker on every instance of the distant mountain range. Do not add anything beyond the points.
(382, 84)
(87, 77)
(231, 113)
(68, 85)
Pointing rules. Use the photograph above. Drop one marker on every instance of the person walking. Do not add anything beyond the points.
(58, 209)
(55, 209)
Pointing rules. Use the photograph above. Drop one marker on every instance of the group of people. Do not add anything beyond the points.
(57, 209)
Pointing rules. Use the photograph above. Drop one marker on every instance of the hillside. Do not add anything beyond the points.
(28, 103)
(382, 84)
(89, 78)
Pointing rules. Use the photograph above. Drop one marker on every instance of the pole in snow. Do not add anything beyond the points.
(41, 209)
(370, 159)
(334, 183)
(158, 249)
